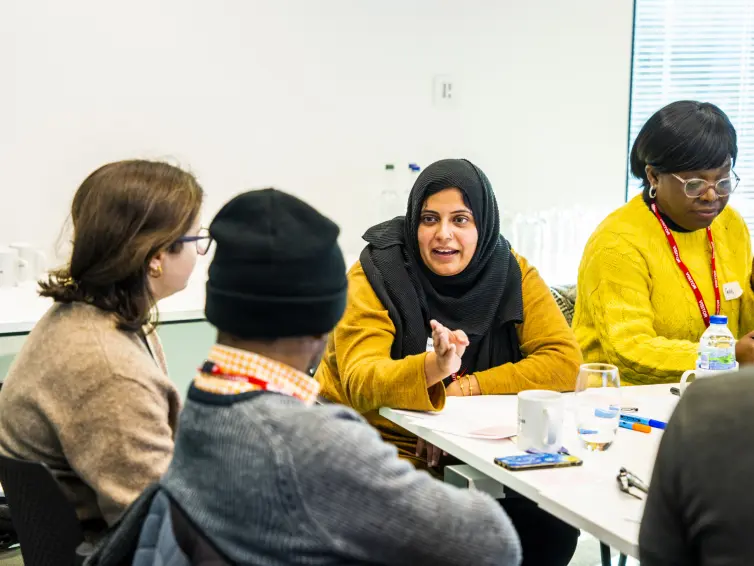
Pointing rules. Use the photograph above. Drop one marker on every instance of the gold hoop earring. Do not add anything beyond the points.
(652, 192)
(155, 272)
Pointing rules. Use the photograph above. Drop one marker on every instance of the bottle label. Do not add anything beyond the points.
(717, 359)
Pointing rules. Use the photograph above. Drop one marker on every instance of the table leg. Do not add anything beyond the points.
(607, 560)
(605, 554)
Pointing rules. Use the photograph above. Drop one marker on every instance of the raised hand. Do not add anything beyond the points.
(449, 347)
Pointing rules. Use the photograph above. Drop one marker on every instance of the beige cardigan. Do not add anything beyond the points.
(94, 404)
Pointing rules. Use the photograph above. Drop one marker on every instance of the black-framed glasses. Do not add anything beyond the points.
(694, 188)
(202, 240)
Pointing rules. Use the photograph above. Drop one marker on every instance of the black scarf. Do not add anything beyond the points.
(484, 300)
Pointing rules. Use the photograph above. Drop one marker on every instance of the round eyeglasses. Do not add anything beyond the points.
(694, 188)
(202, 240)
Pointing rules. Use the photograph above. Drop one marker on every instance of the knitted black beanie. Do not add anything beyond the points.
(277, 271)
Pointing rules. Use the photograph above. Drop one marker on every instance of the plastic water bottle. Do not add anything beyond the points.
(717, 347)
(390, 206)
(413, 173)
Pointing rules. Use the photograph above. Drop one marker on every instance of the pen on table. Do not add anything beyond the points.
(645, 421)
(638, 427)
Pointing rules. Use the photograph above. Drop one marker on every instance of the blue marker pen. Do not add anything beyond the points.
(645, 421)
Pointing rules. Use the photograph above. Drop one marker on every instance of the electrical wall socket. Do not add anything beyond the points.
(445, 91)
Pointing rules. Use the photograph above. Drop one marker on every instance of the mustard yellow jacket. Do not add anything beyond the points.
(357, 369)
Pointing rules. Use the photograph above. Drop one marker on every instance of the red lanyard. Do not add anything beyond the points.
(211, 368)
(687, 273)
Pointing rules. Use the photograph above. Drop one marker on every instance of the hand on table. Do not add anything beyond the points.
(449, 347)
(745, 350)
(433, 452)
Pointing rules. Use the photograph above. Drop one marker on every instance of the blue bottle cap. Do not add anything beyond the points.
(414, 167)
(718, 319)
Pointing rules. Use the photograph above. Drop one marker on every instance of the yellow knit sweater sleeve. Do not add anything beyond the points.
(618, 281)
(747, 300)
(357, 369)
(552, 354)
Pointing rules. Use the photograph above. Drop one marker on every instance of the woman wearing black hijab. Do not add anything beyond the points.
(440, 305)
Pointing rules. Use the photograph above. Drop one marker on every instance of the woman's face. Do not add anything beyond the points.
(176, 268)
(447, 233)
(690, 213)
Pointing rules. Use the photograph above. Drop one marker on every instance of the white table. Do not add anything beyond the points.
(587, 496)
(21, 307)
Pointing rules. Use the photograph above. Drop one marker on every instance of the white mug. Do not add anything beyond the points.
(540, 420)
(701, 373)
(10, 265)
(35, 262)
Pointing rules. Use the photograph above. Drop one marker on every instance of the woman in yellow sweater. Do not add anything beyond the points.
(646, 283)
(440, 305)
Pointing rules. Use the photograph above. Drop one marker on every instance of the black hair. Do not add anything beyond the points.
(684, 136)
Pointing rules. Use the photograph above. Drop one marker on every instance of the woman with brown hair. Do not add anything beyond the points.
(88, 394)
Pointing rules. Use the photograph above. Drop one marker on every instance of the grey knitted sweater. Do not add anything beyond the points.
(272, 482)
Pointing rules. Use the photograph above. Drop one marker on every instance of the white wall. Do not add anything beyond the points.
(312, 97)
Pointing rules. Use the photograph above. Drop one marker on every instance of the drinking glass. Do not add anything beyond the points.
(597, 405)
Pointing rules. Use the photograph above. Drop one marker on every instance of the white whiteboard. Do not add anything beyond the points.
(311, 97)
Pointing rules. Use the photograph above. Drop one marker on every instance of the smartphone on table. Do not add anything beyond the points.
(537, 461)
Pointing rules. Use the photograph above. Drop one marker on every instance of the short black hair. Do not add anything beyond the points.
(684, 136)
